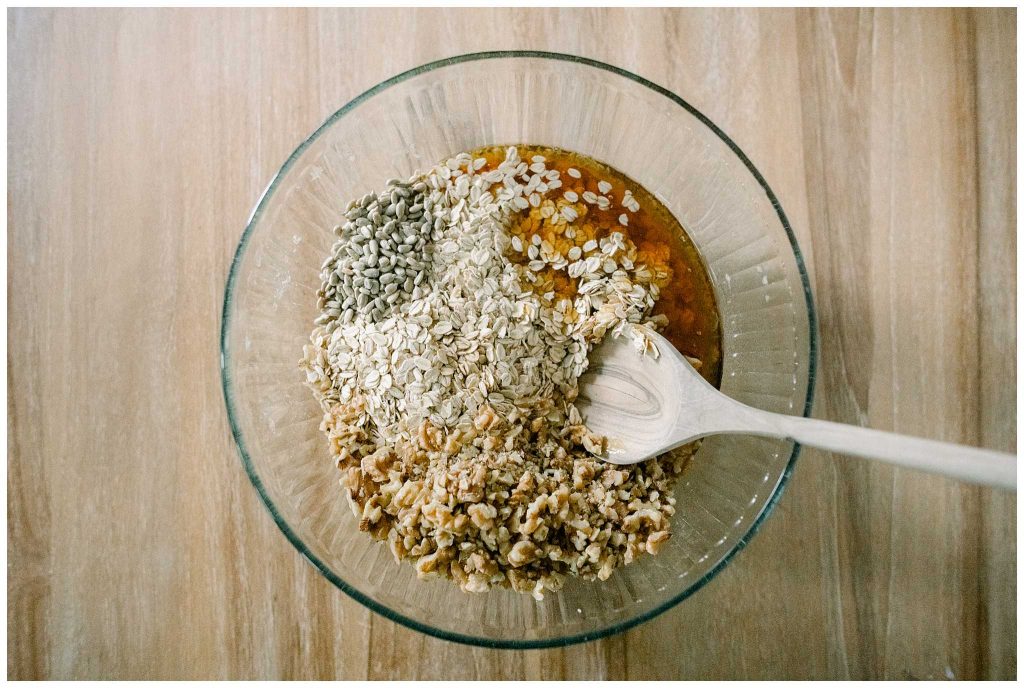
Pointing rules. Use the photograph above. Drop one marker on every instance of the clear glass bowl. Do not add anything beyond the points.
(414, 120)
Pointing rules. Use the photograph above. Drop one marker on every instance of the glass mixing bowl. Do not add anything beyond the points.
(410, 122)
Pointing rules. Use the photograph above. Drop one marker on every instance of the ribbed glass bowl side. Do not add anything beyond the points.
(409, 123)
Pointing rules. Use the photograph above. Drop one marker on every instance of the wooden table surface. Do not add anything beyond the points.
(138, 142)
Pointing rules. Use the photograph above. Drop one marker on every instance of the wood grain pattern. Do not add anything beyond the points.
(139, 140)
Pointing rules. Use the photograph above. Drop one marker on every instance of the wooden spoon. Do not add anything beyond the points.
(648, 404)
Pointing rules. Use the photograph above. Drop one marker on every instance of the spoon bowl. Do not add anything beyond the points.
(646, 404)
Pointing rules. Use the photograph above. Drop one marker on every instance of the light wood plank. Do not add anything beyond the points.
(996, 73)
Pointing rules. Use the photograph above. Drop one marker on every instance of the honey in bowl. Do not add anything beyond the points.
(687, 300)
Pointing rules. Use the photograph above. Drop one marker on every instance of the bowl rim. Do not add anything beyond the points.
(370, 603)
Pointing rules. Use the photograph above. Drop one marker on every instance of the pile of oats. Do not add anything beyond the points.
(457, 312)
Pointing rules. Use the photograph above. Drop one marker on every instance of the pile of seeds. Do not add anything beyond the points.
(457, 312)
(383, 255)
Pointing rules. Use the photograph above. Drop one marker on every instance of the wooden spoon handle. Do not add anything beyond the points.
(970, 464)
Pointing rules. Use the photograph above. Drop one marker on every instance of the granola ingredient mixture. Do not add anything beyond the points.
(457, 312)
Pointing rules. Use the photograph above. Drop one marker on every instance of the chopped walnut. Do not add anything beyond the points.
(497, 502)
(657, 540)
(522, 553)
